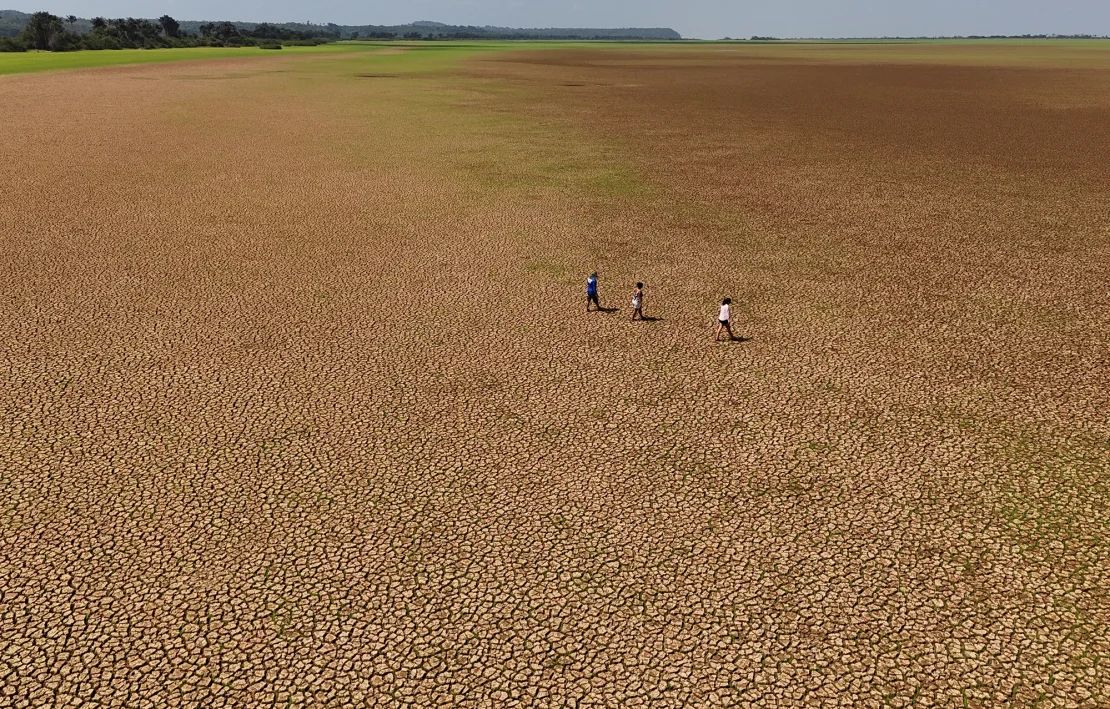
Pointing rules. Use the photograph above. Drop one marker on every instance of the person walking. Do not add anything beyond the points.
(723, 321)
(591, 292)
(638, 301)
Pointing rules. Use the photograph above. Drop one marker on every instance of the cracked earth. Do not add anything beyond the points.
(300, 405)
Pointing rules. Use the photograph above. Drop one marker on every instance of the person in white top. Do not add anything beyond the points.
(723, 321)
(638, 301)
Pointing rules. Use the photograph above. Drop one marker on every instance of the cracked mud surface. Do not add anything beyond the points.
(300, 406)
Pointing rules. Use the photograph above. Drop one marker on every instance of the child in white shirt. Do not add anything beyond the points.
(723, 321)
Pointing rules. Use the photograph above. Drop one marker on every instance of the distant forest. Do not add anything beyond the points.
(21, 31)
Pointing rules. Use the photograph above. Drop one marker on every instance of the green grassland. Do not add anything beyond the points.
(23, 62)
(435, 54)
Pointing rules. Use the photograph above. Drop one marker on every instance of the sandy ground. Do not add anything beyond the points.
(300, 404)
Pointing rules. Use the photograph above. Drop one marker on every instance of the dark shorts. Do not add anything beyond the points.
(591, 297)
(723, 322)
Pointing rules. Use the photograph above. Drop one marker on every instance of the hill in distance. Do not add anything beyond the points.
(12, 23)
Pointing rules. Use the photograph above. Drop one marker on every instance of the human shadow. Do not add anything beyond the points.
(649, 318)
(736, 340)
(607, 310)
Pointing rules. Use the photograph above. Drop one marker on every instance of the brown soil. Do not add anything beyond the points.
(300, 405)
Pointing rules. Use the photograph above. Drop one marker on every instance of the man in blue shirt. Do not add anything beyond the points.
(591, 292)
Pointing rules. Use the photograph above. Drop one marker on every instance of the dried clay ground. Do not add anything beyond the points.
(300, 406)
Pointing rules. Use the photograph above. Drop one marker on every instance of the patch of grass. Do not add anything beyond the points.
(25, 62)
(558, 271)
(559, 168)
(616, 182)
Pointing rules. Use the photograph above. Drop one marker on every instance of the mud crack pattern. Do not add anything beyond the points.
(299, 405)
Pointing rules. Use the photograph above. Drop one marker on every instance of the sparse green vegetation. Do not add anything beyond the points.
(18, 63)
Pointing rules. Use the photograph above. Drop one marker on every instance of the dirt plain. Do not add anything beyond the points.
(300, 405)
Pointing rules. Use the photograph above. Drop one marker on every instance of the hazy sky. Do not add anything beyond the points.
(693, 18)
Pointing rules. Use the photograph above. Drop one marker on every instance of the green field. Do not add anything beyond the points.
(23, 62)
(437, 52)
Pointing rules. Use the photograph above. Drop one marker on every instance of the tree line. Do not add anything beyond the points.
(48, 32)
